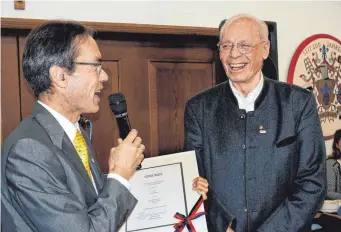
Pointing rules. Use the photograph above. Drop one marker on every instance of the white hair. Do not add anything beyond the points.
(263, 28)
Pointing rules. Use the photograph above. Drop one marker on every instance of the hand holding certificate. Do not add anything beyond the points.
(166, 200)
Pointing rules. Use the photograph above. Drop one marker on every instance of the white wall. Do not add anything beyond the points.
(295, 20)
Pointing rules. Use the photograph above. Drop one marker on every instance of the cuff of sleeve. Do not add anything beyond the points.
(120, 179)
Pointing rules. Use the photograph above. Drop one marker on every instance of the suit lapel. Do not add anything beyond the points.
(60, 139)
(49, 123)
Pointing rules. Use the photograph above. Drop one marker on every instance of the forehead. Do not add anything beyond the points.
(243, 29)
(88, 49)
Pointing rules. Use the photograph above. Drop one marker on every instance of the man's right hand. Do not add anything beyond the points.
(125, 158)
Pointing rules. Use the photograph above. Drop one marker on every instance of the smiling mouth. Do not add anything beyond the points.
(237, 67)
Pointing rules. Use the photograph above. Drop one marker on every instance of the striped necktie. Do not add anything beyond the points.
(82, 150)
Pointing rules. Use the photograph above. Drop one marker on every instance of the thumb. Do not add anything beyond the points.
(119, 141)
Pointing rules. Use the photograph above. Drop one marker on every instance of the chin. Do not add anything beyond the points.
(96, 109)
(93, 109)
(240, 77)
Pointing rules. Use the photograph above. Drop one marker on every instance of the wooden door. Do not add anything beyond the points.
(27, 97)
(156, 81)
(172, 84)
(10, 86)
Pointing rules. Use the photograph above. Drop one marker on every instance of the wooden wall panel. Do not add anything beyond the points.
(157, 80)
(133, 83)
(27, 97)
(175, 84)
(10, 92)
(153, 110)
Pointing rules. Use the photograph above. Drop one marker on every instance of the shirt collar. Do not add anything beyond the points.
(248, 102)
(69, 128)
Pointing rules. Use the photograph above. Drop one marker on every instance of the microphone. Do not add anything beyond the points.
(339, 59)
(84, 122)
(118, 105)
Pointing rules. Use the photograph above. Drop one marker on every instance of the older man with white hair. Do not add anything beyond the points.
(258, 141)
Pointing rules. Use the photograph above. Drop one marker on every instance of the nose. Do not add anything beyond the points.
(103, 77)
(235, 53)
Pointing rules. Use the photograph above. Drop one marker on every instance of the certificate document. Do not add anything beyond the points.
(163, 188)
(164, 194)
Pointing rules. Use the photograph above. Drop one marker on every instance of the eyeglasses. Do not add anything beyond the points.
(243, 48)
(98, 65)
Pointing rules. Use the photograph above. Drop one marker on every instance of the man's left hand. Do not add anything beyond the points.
(200, 185)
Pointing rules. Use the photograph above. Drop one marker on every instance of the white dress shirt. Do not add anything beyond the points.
(248, 103)
(71, 130)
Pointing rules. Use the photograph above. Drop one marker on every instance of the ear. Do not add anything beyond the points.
(266, 49)
(57, 76)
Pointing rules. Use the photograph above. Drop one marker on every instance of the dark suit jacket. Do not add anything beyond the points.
(266, 168)
(44, 185)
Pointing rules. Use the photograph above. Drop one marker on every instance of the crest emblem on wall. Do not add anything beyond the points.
(315, 67)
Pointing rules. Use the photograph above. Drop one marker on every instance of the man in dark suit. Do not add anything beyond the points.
(258, 141)
(50, 178)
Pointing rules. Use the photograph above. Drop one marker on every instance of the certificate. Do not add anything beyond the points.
(163, 188)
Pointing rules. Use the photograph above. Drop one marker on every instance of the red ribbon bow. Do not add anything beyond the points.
(187, 221)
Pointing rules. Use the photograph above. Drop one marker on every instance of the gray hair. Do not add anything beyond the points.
(263, 28)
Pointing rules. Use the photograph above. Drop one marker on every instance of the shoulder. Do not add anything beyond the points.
(290, 90)
(292, 97)
(27, 128)
(28, 141)
(331, 162)
(207, 95)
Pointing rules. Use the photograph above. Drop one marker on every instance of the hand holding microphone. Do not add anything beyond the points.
(128, 155)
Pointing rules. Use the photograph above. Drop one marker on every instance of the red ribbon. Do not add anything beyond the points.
(187, 221)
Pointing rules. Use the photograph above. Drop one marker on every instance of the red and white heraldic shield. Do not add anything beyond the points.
(315, 66)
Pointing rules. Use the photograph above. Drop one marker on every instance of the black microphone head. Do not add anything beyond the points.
(339, 59)
(117, 103)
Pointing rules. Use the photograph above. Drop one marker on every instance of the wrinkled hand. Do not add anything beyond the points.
(200, 185)
(125, 158)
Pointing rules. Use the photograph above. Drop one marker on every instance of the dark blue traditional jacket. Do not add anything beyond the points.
(266, 168)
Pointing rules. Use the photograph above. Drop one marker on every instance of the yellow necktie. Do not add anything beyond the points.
(82, 150)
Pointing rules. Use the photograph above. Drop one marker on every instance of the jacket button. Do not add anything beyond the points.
(245, 209)
(243, 146)
(242, 116)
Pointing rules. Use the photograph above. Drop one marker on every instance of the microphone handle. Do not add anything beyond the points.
(124, 129)
(123, 126)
